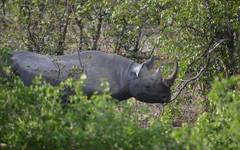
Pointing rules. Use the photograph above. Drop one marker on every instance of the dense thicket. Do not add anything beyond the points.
(34, 118)
(202, 35)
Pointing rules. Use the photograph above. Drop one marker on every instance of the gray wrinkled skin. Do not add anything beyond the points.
(126, 77)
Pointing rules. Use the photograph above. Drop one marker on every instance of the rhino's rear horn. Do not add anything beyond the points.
(170, 80)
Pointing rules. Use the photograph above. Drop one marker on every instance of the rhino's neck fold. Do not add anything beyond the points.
(126, 76)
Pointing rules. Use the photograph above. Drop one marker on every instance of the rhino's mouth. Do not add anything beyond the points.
(152, 99)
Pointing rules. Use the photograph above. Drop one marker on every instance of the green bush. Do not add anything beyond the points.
(34, 117)
(219, 127)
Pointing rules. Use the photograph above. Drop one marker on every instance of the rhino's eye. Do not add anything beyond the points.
(164, 97)
(147, 87)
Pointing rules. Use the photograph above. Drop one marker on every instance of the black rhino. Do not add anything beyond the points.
(126, 78)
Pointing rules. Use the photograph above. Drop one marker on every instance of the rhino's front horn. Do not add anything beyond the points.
(170, 80)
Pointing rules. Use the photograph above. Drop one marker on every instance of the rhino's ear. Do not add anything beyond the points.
(143, 69)
(150, 62)
(137, 69)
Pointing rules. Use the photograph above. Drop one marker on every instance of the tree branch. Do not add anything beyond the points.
(184, 83)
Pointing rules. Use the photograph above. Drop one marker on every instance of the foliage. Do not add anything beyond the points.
(218, 128)
(35, 117)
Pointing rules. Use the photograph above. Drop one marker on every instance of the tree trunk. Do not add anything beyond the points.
(98, 32)
(231, 42)
(80, 26)
(119, 41)
(118, 45)
(63, 32)
(136, 47)
(60, 47)
(3, 7)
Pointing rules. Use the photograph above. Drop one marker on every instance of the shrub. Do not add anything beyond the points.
(219, 127)
(34, 117)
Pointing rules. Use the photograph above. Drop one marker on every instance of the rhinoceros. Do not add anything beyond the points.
(126, 78)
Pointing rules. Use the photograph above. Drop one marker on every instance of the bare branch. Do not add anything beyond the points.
(182, 85)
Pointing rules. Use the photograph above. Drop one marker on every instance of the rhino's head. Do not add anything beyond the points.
(151, 88)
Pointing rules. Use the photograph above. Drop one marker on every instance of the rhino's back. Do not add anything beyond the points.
(28, 65)
(101, 60)
(97, 65)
